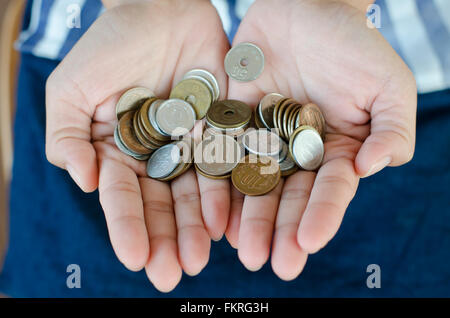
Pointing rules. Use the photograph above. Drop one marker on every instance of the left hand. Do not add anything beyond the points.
(321, 52)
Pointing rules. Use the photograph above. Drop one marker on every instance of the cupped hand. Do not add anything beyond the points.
(151, 224)
(321, 52)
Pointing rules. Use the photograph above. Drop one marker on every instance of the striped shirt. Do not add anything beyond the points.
(419, 30)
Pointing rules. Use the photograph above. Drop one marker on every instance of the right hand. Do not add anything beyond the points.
(151, 224)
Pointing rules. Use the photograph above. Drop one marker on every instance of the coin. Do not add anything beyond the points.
(256, 175)
(209, 77)
(132, 99)
(128, 136)
(266, 107)
(175, 117)
(217, 155)
(147, 125)
(124, 149)
(185, 160)
(306, 147)
(262, 142)
(229, 114)
(141, 133)
(194, 92)
(226, 176)
(244, 62)
(287, 164)
(163, 161)
(152, 115)
(311, 115)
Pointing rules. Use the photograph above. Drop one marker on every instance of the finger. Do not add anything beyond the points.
(393, 128)
(288, 259)
(193, 239)
(234, 222)
(163, 268)
(333, 189)
(215, 199)
(255, 232)
(120, 197)
(68, 137)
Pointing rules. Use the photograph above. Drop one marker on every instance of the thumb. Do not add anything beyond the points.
(393, 128)
(68, 134)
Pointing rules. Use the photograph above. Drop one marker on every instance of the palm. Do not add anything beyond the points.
(324, 53)
(150, 223)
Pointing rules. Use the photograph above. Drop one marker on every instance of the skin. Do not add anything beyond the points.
(320, 51)
(151, 224)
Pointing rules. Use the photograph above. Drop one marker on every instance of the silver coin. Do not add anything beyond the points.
(287, 164)
(132, 99)
(236, 131)
(262, 142)
(163, 161)
(266, 107)
(283, 153)
(152, 115)
(244, 62)
(124, 149)
(217, 155)
(209, 77)
(308, 149)
(175, 117)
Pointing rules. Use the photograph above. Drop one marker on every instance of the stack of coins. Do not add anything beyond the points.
(298, 124)
(231, 117)
(199, 88)
(170, 161)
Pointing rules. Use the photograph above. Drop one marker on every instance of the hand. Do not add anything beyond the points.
(151, 44)
(323, 52)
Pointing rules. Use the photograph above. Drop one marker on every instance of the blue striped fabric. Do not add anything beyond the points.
(419, 30)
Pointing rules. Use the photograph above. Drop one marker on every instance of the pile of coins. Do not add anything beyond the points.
(254, 149)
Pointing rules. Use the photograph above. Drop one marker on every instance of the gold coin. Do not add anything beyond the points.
(289, 172)
(145, 120)
(284, 123)
(256, 175)
(311, 115)
(128, 136)
(258, 123)
(275, 111)
(291, 118)
(194, 92)
(229, 114)
(132, 99)
(280, 115)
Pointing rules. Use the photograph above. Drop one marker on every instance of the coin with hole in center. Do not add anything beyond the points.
(196, 93)
(244, 62)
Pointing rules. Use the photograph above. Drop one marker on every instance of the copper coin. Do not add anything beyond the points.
(147, 125)
(140, 134)
(128, 136)
(132, 99)
(311, 115)
(256, 175)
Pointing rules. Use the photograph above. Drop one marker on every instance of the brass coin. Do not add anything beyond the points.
(156, 143)
(284, 123)
(139, 133)
(255, 175)
(291, 120)
(311, 115)
(147, 125)
(196, 93)
(280, 114)
(229, 114)
(276, 111)
(227, 176)
(128, 136)
(132, 99)
(258, 122)
(289, 172)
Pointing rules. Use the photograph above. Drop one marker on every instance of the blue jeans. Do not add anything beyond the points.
(399, 219)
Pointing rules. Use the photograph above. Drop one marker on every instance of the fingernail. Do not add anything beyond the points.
(378, 166)
(74, 175)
